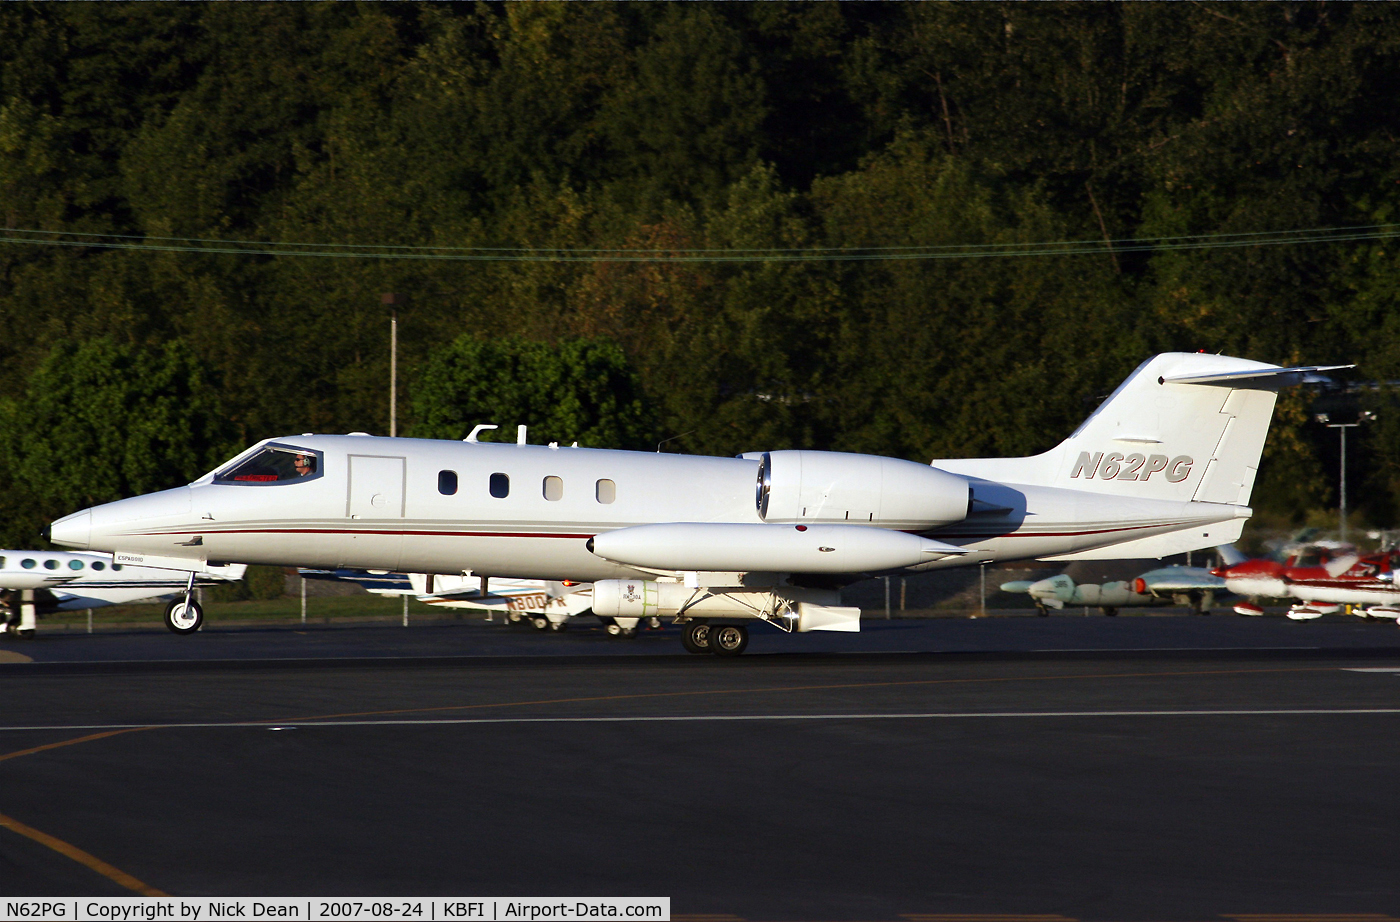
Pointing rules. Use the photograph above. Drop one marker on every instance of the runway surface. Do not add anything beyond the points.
(1164, 769)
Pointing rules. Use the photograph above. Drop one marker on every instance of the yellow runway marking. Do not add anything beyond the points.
(77, 854)
(794, 688)
(62, 847)
(72, 742)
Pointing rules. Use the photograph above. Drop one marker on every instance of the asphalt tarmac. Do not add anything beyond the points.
(1138, 768)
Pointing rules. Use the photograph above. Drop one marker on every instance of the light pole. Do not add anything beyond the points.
(392, 301)
(1364, 417)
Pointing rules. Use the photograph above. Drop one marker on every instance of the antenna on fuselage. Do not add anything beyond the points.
(480, 428)
(520, 435)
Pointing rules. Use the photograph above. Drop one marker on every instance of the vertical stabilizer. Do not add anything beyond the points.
(1183, 426)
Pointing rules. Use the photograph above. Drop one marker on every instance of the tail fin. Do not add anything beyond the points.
(1183, 426)
(1230, 555)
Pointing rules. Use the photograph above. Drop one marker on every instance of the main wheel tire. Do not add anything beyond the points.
(557, 626)
(728, 639)
(695, 637)
(182, 617)
(654, 623)
(539, 623)
(612, 629)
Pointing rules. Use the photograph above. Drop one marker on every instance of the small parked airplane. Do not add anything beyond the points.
(1324, 576)
(1164, 465)
(35, 583)
(545, 604)
(1193, 586)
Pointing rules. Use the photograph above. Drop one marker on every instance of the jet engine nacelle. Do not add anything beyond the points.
(829, 486)
(748, 548)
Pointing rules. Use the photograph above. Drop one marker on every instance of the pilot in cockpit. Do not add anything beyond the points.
(304, 465)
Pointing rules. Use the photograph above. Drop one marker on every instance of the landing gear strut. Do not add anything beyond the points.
(183, 615)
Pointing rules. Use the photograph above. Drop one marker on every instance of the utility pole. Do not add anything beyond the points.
(983, 607)
(392, 301)
(1365, 417)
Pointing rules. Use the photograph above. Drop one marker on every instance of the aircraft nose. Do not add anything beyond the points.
(73, 530)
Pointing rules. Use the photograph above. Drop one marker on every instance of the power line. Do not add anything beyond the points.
(212, 246)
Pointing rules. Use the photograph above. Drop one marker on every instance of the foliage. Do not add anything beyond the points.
(679, 128)
(101, 421)
(576, 390)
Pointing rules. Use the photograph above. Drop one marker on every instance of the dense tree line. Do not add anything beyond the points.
(692, 129)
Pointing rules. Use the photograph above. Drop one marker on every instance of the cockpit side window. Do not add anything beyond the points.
(274, 464)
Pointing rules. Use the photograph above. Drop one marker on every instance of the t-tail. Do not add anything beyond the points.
(1184, 426)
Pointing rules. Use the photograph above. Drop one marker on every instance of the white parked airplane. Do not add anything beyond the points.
(34, 583)
(545, 604)
(1165, 465)
(1188, 586)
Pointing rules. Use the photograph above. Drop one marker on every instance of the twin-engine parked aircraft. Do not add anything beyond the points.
(1324, 577)
(545, 604)
(34, 583)
(1193, 586)
(1165, 465)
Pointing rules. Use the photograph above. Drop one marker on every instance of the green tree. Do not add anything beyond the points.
(576, 390)
(101, 421)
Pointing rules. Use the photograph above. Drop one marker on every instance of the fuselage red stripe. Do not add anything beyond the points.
(512, 534)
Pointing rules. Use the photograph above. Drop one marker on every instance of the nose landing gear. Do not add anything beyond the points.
(183, 615)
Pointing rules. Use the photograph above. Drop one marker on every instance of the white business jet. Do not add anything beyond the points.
(34, 583)
(1165, 465)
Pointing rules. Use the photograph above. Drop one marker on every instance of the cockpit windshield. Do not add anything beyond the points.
(274, 464)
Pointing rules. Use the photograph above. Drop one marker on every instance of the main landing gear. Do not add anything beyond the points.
(719, 639)
(183, 615)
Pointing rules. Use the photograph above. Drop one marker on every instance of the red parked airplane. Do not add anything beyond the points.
(1324, 577)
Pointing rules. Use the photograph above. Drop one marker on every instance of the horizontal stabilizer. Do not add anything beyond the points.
(1267, 377)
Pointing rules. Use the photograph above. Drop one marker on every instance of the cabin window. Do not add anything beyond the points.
(607, 491)
(98, 565)
(500, 486)
(274, 464)
(29, 563)
(554, 489)
(116, 566)
(447, 482)
(51, 564)
(75, 564)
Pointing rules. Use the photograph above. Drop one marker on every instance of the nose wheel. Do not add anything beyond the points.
(183, 617)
